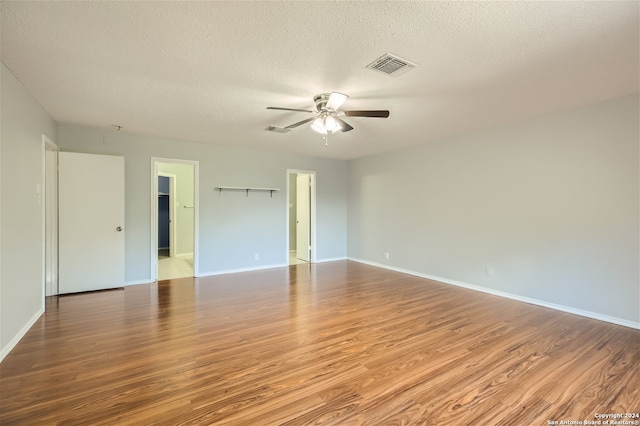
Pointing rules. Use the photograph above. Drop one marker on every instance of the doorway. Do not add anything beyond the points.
(166, 214)
(174, 219)
(301, 216)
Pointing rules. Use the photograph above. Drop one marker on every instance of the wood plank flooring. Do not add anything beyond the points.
(337, 343)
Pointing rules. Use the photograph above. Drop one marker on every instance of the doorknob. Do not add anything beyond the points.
(119, 228)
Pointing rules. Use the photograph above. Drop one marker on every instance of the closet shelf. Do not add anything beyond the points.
(246, 189)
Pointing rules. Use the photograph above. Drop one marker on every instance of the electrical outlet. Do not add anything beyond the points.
(488, 270)
(386, 255)
(256, 256)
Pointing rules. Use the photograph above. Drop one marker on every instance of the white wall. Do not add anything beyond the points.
(21, 212)
(550, 206)
(184, 220)
(233, 227)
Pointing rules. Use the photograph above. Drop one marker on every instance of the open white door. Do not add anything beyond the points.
(303, 217)
(91, 222)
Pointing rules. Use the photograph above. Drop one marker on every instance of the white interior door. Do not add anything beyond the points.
(303, 217)
(91, 222)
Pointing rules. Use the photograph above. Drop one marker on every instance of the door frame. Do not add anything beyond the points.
(312, 222)
(172, 212)
(49, 192)
(153, 246)
(303, 217)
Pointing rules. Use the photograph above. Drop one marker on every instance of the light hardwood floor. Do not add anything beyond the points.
(335, 343)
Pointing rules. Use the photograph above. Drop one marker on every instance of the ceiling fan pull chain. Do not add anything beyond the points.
(325, 138)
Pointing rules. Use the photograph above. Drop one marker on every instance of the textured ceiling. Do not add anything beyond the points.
(206, 71)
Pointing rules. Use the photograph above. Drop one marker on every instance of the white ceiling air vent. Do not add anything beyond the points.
(277, 129)
(391, 65)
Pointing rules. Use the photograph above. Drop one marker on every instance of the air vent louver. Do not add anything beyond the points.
(391, 65)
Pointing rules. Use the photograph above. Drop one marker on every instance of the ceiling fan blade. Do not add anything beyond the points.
(343, 124)
(374, 113)
(336, 99)
(299, 123)
(291, 109)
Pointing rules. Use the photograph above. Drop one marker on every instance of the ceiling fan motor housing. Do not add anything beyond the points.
(321, 101)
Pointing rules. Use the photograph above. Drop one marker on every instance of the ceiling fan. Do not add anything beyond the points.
(328, 117)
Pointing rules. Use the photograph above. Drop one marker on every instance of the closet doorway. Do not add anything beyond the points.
(174, 218)
(301, 216)
(166, 215)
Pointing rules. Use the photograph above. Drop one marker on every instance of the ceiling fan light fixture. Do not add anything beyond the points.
(331, 124)
(318, 126)
(326, 124)
(335, 101)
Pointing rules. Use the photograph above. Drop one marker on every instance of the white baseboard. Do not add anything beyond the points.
(12, 344)
(333, 259)
(234, 271)
(136, 282)
(562, 308)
